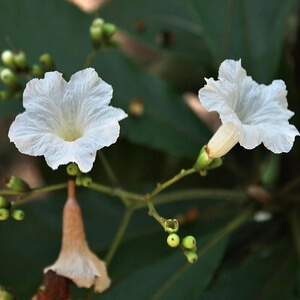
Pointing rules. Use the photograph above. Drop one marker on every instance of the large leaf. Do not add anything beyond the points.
(167, 124)
(266, 274)
(169, 41)
(252, 30)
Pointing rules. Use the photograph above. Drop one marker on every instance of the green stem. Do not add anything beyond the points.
(161, 186)
(229, 228)
(111, 174)
(197, 194)
(153, 212)
(119, 235)
(24, 196)
(90, 58)
(115, 192)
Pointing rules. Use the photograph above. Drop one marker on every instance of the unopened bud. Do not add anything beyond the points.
(47, 62)
(4, 215)
(173, 240)
(18, 214)
(37, 70)
(189, 242)
(20, 60)
(4, 295)
(17, 184)
(4, 203)
(72, 169)
(7, 58)
(109, 29)
(225, 138)
(86, 181)
(9, 78)
(191, 256)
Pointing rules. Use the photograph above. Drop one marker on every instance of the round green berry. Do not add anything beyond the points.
(4, 214)
(189, 242)
(3, 202)
(191, 256)
(72, 169)
(18, 214)
(173, 240)
(4, 295)
(86, 181)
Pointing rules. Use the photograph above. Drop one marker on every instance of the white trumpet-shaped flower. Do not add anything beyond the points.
(67, 121)
(251, 113)
(76, 261)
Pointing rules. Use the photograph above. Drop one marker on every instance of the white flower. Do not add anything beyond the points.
(76, 261)
(251, 113)
(67, 121)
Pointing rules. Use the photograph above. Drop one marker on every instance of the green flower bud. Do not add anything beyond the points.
(189, 242)
(72, 169)
(203, 160)
(191, 256)
(173, 240)
(18, 214)
(86, 181)
(37, 70)
(20, 60)
(17, 184)
(4, 203)
(4, 295)
(109, 29)
(78, 180)
(96, 33)
(9, 78)
(4, 215)
(98, 22)
(47, 62)
(5, 95)
(7, 58)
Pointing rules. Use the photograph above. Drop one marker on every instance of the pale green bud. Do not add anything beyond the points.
(4, 215)
(17, 184)
(189, 242)
(37, 70)
(47, 62)
(72, 169)
(9, 78)
(109, 29)
(18, 214)
(4, 203)
(20, 60)
(86, 181)
(173, 240)
(7, 58)
(191, 256)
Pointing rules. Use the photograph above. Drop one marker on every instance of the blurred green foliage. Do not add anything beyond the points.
(171, 46)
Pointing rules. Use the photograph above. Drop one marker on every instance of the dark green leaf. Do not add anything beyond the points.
(252, 30)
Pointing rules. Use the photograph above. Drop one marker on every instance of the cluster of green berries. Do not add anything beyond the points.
(101, 33)
(15, 71)
(6, 211)
(205, 163)
(4, 294)
(188, 245)
(81, 180)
